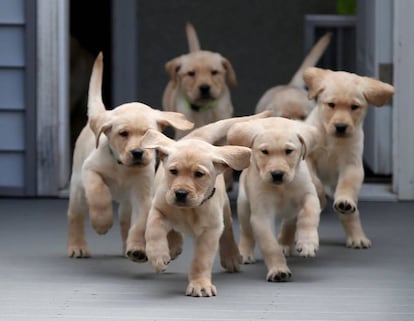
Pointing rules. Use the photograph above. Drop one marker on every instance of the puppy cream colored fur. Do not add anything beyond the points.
(190, 197)
(109, 163)
(291, 101)
(198, 85)
(342, 103)
(277, 184)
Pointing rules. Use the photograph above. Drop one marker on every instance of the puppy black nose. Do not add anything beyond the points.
(277, 176)
(341, 128)
(181, 195)
(204, 89)
(137, 154)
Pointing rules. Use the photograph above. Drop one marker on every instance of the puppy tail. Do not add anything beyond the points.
(192, 38)
(311, 59)
(214, 132)
(95, 103)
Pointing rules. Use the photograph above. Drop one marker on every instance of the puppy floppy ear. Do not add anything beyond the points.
(172, 68)
(308, 136)
(176, 120)
(243, 134)
(377, 92)
(313, 78)
(99, 124)
(231, 74)
(155, 140)
(236, 157)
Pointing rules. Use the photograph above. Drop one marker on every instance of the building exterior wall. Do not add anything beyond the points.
(17, 103)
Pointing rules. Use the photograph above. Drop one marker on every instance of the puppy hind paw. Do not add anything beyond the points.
(231, 264)
(175, 252)
(278, 275)
(287, 250)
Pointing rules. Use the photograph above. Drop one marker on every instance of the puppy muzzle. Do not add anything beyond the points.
(137, 155)
(205, 92)
(277, 177)
(181, 196)
(341, 129)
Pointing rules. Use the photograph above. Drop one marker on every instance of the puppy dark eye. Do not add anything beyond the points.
(214, 72)
(354, 107)
(265, 152)
(331, 105)
(173, 171)
(198, 174)
(288, 151)
(191, 73)
(123, 133)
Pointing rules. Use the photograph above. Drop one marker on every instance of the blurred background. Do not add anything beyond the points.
(49, 47)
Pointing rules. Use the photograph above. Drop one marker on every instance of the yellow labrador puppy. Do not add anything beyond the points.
(190, 196)
(277, 184)
(110, 163)
(198, 85)
(291, 101)
(342, 103)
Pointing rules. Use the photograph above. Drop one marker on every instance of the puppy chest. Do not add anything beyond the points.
(193, 222)
(283, 204)
(327, 167)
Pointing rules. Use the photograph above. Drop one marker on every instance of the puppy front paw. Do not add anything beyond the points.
(358, 242)
(278, 274)
(78, 250)
(307, 244)
(307, 249)
(102, 221)
(345, 206)
(160, 263)
(247, 255)
(158, 257)
(201, 288)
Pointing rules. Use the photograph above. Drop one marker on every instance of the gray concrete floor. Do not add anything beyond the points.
(38, 281)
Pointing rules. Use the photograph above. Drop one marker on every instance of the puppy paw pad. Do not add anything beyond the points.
(344, 207)
(137, 256)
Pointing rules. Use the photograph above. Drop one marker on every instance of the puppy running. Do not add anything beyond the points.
(190, 196)
(277, 184)
(114, 166)
(336, 163)
(198, 85)
(291, 101)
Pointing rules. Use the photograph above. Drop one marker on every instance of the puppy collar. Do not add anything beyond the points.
(210, 196)
(114, 157)
(203, 108)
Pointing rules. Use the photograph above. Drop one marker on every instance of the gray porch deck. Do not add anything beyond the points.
(38, 281)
